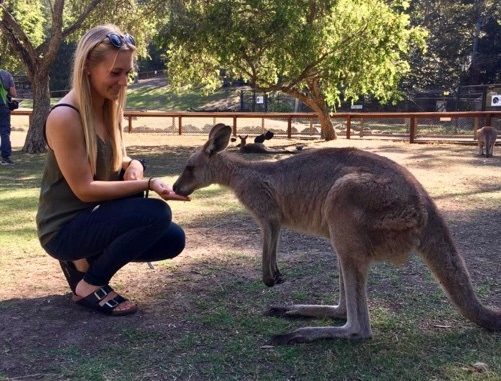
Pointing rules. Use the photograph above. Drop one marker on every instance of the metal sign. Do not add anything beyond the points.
(496, 100)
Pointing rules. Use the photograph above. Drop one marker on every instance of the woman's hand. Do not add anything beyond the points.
(165, 191)
(134, 171)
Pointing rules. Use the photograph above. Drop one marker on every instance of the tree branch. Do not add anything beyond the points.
(78, 23)
(18, 40)
(69, 30)
(54, 42)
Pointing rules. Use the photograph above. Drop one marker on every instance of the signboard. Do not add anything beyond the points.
(357, 107)
(496, 100)
(259, 100)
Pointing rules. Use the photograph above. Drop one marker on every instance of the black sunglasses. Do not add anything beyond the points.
(117, 40)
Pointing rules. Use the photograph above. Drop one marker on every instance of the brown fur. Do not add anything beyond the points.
(486, 138)
(370, 209)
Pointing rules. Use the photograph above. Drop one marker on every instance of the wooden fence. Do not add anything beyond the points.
(487, 117)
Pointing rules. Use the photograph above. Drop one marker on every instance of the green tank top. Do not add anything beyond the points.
(57, 203)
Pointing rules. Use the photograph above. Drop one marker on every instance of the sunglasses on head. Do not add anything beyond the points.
(117, 40)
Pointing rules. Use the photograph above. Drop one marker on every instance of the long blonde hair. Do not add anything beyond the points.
(93, 48)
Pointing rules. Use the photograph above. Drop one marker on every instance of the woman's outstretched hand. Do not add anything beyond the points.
(165, 191)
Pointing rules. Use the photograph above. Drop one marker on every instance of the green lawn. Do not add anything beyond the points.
(201, 314)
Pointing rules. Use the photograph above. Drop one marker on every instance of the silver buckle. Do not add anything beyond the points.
(96, 294)
(112, 303)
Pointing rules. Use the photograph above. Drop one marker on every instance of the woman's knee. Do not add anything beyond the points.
(158, 210)
(179, 239)
(173, 241)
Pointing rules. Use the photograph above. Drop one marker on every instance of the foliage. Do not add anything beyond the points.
(321, 52)
(462, 44)
(33, 31)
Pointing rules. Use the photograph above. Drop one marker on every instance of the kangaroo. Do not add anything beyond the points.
(486, 137)
(258, 147)
(265, 136)
(369, 207)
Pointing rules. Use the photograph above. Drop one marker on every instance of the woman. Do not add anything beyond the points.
(90, 216)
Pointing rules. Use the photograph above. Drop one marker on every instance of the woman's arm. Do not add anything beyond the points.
(65, 137)
(134, 169)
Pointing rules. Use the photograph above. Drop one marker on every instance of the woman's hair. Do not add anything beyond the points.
(92, 49)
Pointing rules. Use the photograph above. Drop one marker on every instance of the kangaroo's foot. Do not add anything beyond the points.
(310, 334)
(307, 310)
(275, 278)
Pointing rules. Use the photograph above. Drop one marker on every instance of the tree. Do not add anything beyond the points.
(463, 43)
(321, 52)
(32, 32)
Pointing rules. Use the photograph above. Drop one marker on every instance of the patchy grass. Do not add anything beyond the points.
(201, 313)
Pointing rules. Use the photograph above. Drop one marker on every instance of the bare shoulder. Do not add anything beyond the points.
(63, 123)
(63, 117)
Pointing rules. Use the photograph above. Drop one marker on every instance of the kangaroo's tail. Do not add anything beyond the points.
(489, 145)
(440, 254)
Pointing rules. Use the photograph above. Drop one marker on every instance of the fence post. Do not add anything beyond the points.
(348, 127)
(412, 129)
(180, 127)
(234, 125)
(289, 127)
(475, 127)
(130, 124)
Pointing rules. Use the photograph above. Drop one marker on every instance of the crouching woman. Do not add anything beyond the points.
(90, 216)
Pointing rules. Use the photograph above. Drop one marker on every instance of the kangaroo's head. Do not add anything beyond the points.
(197, 172)
(243, 140)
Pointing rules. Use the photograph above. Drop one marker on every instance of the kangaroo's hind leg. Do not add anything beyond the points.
(357, 326)
(348, 237)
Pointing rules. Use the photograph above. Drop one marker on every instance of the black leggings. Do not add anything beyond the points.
(117, 232)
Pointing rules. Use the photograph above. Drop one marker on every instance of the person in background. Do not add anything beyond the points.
(91, 215)
(8, 88)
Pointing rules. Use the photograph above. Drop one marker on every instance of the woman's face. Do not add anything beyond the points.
(109, 76)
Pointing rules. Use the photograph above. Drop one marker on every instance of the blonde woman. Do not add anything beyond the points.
(91, 215)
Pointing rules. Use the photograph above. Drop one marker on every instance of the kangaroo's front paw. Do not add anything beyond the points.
(279, 278)
(275, 278)
(289, 338)
(270, 282)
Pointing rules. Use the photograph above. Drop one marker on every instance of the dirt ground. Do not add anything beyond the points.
(467, 189)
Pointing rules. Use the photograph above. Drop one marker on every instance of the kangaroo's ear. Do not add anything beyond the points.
(219, 137)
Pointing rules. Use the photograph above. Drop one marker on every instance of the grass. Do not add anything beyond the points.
(158, 96)
(202, 312)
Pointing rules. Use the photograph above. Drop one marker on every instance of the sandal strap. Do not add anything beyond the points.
(101, 293)
(93, 300)
(72, 275)
(112, 303)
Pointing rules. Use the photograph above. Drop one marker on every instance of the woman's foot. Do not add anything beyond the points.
(103, 299)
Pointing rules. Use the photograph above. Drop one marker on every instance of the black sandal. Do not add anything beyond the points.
(72, 275)
(93, 300)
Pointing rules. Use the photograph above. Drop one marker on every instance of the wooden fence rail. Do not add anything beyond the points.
(412, 117)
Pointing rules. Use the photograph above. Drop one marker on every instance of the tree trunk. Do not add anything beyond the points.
(327, 128)
(35, 142)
